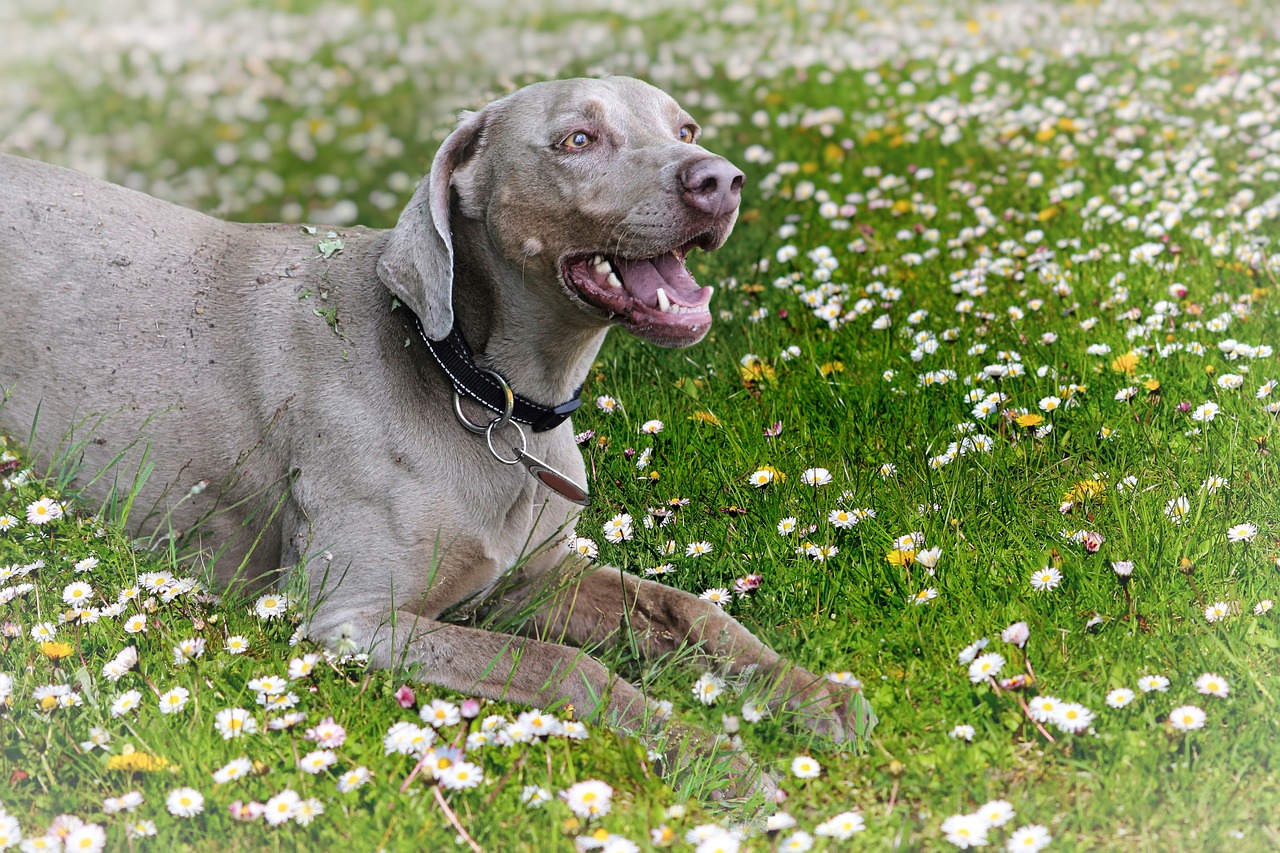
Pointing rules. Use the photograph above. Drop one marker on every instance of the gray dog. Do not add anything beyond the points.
(372, 407)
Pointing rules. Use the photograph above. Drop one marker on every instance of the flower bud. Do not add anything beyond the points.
(1018, 633)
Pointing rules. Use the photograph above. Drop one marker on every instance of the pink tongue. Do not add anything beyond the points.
(643, 278)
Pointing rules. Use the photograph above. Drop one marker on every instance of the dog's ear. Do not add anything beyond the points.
(417, 264)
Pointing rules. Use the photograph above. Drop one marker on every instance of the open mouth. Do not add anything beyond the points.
(655, 298)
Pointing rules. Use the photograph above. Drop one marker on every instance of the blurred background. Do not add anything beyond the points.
(321, 111)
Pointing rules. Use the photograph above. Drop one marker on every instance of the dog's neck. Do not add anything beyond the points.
(516, 328)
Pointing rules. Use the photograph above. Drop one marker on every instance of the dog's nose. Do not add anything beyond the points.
(712, 185)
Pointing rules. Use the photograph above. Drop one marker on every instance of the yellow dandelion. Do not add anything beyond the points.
(55, 650)
(137, 762)
(1029, 420)
(831, 367)
(1126, 363)
(899, 557)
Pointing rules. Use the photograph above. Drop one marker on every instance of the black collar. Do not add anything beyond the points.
(456, 360)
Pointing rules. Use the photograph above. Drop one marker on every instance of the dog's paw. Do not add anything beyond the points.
(837, 712)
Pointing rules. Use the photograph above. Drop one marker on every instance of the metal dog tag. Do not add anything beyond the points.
(553, 479)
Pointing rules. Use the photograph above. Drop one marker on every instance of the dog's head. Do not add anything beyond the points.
(594, 190)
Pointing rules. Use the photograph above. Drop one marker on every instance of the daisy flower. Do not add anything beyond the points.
(44, 632)
(43, 511)
(441, 713)
(963, 731)
(1153, 683)
(707, 688)
(317, 761)
(328, 734)
(716, 595)
(234, 722)
(965, 830)
(173, 701)
(460, 776)
(1213, 685)
(353, 779)
(651, 427)
(1176, 509)
(760, 478)
(816, 477)
(697, 549)
(268, 684)
(842, 826)
(798, 842)
(588, 799)
(184, 802)
(125, 702)
(787, 526)
(804, 767)
(1217, 611)
(233, 770)
(1263, 606)
(270, 606)
(77, 594)
(969, 652)
(1120, 697)
(841, 518)
(303, 666)
(929, 558)
(584, 546)
(1045, 579)
(282, 807)
(1186, 718)
(1028, 839)
(307, 810)
(1072, 717)
(1239, 533)
(535, 796)
(86, 838)
(618, 528)
(997, 812)
(985, 666)
(1044, 708)
(924, 595)
(1206, 412)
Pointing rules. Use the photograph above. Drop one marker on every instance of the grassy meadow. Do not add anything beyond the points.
(987, 422)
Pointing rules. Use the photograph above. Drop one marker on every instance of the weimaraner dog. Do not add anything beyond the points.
(370, 407)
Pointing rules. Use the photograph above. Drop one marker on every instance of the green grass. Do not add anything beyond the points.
(1130, 781)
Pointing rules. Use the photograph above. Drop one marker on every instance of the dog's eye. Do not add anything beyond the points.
(577, 140)
(687, 133)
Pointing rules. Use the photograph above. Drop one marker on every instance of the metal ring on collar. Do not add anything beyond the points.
(508, 398)
(524, 443)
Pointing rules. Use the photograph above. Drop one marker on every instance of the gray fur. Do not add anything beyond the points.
(217, 346)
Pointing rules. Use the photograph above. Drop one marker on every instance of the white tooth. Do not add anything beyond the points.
(597, 260)
(664, 304)
(603, 266)
(613, 280)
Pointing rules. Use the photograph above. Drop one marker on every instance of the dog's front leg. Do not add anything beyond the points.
(596, 606)
(532, 672)
(487, 664)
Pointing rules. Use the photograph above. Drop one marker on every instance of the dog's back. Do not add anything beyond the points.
(117, 310)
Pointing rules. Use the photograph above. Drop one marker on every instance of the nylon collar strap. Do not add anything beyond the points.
(456, 360)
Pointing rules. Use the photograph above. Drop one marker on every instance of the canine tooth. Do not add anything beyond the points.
(664, 304)
(613, 280)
